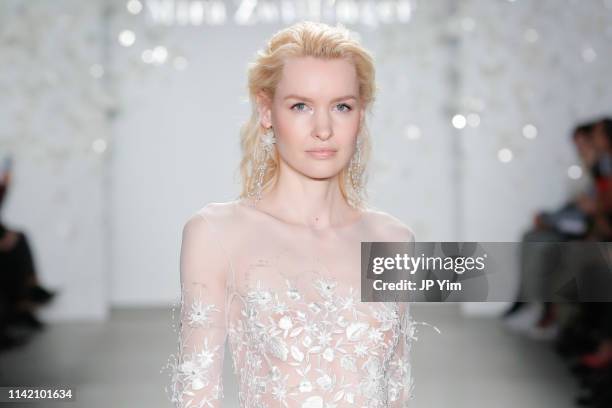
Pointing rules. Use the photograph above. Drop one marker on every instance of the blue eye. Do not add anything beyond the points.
(348, 108)
(298, 104)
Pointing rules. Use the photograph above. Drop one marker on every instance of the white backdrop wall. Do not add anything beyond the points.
(175, 149)
(540, 63)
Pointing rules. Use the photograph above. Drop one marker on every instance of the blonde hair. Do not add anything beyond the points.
(304, 39)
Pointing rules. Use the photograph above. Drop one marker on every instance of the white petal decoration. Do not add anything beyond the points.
(285, 323)
(328, 354)
(305, 386)
(338, 396)
(296, 353)
(275, 373)
(197, 384)
(313, 402)
(293, 294)
(278, 348)
(314, 308)
(296, 331)
(355, 330)
(325, 382)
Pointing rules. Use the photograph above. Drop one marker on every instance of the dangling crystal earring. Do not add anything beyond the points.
(262, 155)
(355, 171)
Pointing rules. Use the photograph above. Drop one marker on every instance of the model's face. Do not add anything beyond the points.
(316, 106)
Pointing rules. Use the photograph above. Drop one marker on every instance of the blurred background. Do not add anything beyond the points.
(119, 119)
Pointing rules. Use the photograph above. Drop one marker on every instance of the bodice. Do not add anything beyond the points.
(287, 299)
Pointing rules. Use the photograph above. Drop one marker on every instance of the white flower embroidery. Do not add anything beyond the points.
(205, 357)
(200, 313)
(194, 374)
(375, 335)
(348, 362)
(289, 331)
(324, 338)
(325, 287)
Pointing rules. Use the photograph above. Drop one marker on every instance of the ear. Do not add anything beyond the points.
(264, 108)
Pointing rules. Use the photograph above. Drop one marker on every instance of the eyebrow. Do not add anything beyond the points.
(292, 96)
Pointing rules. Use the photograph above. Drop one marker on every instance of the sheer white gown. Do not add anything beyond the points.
(287, 298)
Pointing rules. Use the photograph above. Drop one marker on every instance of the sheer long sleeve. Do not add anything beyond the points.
(204, 270)
(401, 379)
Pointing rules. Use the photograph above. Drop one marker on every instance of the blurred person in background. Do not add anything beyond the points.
(582, 331)
(585, 340)
(573, 221)
(602, 174)
(20, 290)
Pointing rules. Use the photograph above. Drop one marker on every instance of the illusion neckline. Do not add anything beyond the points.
(362, 213)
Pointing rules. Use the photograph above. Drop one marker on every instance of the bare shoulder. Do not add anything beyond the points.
(388, 228)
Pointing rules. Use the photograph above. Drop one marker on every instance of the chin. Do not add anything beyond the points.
(322, 172)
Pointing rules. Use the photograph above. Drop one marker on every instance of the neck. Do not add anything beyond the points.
(317, 203)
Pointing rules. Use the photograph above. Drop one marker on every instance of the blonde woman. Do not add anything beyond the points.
(277, 271)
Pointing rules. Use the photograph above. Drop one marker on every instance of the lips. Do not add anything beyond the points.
(321, 153)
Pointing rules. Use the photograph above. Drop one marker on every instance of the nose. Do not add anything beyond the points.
(323, 126)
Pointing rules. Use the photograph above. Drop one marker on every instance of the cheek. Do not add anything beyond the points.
(290, 128)
(348, 132)
(290, 137)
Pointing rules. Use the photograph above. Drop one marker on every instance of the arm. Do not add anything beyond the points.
(197, 367)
